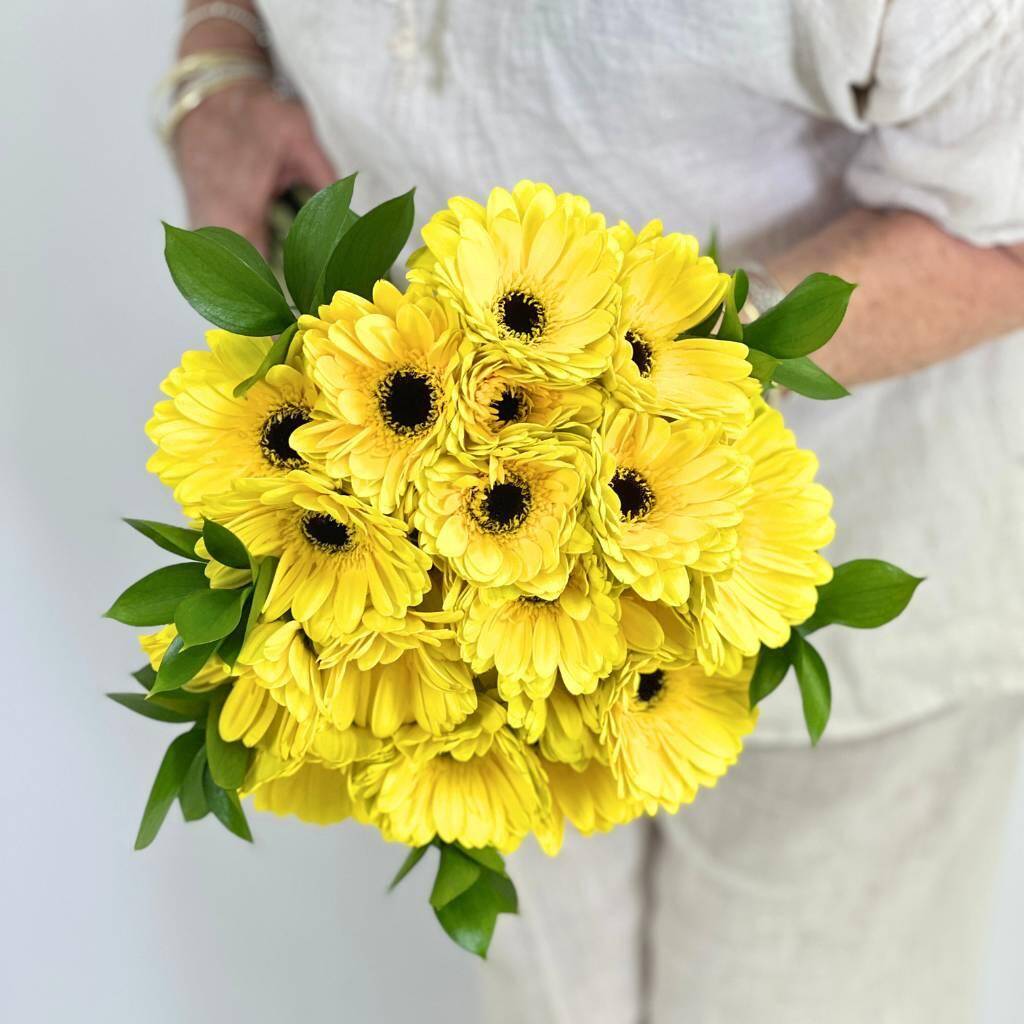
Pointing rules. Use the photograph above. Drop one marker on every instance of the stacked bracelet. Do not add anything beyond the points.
(197, 77)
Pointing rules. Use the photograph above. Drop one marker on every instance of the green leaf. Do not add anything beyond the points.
(741, 285)
(226, 807)
(805, 377)
(265, 570)
(762, 366)
(276, 354)
(486, 857)
(314, 235)
(413, 858)
(224, 546)
(469, 919)
(154, 709)
(209, 615)
(180, 664)
(864, 594)
(223, 282)
(228, 761)
(710, 248)
(455, 874)
(504, 891)
(730, 328)
(176, 539)
(243, 249)
(815, 689)
(365, 253)
(804, 320)
(231, 645)
(151, 601)
(772, 665)
(145, 676)
(169, 778)
(192, 795)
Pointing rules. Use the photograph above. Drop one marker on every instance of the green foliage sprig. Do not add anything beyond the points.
(200, 769)
(471, 888)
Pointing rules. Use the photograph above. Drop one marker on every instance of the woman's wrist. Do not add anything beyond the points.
(212, 32)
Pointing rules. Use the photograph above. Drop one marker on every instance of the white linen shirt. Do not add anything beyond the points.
(765, 119)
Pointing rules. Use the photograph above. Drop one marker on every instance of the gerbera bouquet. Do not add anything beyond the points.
(522, 545)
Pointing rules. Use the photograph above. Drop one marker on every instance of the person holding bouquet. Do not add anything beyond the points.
(882, 142)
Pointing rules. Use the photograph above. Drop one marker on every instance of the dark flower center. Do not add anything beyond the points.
(643, 354)
(650, 685)
(501, 508)
(408, 401)
(327, 533)
(636, 498)
(275, 436)
(521, 314)
(512, 406)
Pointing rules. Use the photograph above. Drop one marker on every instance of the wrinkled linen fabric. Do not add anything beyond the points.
(766, 120)
(847, 884)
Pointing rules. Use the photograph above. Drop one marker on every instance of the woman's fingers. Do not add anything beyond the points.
(239, 150)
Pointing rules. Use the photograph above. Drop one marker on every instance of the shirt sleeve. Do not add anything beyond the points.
(944, 116)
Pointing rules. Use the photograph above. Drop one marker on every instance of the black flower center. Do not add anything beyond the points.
(327, 533)
(643, 354)
(521, 314)
(650, 685)
(408, 401)
(275, 436)
(501, 508)
(636, 498)
(511, 406)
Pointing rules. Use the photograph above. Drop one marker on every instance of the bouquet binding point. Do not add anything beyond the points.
(523, 545)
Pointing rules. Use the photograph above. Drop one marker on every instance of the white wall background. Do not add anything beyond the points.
(200, 927)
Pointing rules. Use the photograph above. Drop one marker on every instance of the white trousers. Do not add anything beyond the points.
(844, 885)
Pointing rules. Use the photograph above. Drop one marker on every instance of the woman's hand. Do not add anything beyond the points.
(240, 149)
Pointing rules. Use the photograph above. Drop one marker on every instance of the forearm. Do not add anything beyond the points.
(923, 296)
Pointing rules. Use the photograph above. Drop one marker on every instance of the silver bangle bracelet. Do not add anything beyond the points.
(226, 12)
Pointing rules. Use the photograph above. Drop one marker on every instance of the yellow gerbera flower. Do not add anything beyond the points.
(773, 583)
(667, 287)
(478, 785)
(313, 786)
(284, 661)
(656, 630)
(206, 438)
(531, 641)
(338, 557)
(509, 521)
(587, 795)
(532, 275)
(564, 727)
(670, 729)
(314, 793)
(154, 646)
(494, 397)
(251, 714)
(399, 671)
(666, 498)
(383, 368)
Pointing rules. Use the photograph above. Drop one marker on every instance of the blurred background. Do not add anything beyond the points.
(200, 927)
